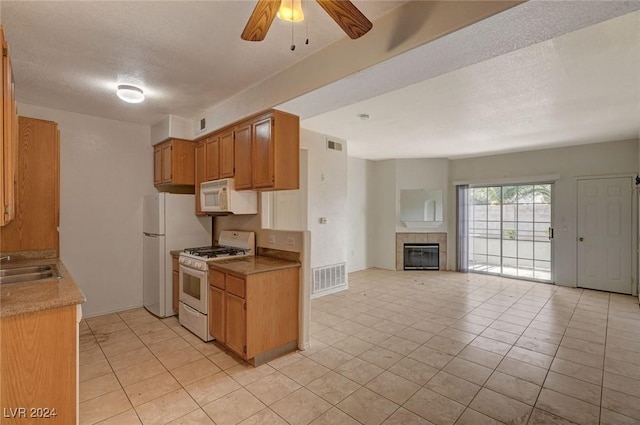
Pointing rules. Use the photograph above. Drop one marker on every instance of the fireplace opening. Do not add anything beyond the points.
(421, 256)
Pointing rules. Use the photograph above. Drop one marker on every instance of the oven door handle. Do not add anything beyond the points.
(193, 272)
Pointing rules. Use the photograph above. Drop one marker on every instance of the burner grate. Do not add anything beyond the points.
(215, 251)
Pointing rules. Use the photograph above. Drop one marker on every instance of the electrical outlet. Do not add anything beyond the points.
(290, 241)
(271, 239)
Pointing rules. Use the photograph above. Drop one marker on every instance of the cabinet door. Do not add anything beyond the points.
(4, 162)
(226, 155)
(167, 151)
(242, 151)
(36, 224)
(199, 174)
(216, 313)
(212, 165)
(262, 154)
(157, 165)
(41, 370)
(176, 289)
(236, 329)
(9, 130)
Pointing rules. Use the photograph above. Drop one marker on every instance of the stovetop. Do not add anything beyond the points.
(217, 251)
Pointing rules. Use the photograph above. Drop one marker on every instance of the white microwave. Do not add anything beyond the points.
(220, 196)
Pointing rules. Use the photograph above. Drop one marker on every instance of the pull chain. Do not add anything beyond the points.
(306, 3)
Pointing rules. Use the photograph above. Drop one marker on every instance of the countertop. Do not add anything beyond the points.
(253, 264)
(175, 252)
(29, 297)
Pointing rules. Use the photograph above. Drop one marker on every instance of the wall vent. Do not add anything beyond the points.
(335, 146)
(203, 124)
(328, 279)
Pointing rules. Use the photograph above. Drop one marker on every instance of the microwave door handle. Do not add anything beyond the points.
(222, 199)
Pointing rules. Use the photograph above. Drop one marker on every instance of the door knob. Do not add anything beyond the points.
(581, 239)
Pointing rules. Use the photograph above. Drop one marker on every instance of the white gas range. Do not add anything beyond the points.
(194, 277)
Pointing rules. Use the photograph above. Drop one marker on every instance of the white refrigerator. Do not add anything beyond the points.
(169, 223)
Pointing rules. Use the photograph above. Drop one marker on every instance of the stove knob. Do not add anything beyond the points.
(189, 262)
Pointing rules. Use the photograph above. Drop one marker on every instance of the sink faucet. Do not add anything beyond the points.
(6, 257)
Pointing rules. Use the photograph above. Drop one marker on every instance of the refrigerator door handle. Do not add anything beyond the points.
(152, 235)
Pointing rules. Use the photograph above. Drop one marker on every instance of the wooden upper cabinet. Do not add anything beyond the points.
(35, 227)
(267, 151)
(173, 163)
(199, 173)
(227, 164)
(166, 165)
(212, 166)
(242, 149)
(262, 154)
(157, 165)
(9, 134)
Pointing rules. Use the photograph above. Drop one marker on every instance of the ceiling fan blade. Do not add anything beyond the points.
(260, 20)
(347, 16)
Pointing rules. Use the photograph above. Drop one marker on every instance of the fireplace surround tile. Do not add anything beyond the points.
(439, 238)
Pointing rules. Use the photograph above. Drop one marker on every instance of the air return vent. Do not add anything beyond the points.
(329, 279)
(334, 146)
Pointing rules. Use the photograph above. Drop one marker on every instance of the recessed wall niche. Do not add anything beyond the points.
(421, 207)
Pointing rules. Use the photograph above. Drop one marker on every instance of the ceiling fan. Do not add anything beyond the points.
(346, 15)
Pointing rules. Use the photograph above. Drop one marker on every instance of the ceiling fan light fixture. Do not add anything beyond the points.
(130, 94)
(291, 11)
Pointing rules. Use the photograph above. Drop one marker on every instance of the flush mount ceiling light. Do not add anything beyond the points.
(130, 94)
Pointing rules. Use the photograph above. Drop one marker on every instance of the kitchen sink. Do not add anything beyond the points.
(29, 273)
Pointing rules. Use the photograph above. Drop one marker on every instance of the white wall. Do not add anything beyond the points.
(383, 211)
(105, 168)
(601, 159)
(359, 214)
(422, 174)
(327, 197)
(374, 205)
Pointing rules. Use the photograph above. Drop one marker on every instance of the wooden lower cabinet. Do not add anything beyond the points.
(39, 367)
(176, 284)
(256, 313)
(236, 325)
(217, 313)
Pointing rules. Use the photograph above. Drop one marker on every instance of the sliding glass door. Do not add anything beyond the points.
(510, 230)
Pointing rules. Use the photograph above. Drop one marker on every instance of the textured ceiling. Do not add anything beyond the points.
(450, 99)
(186, 55)
(542, 74)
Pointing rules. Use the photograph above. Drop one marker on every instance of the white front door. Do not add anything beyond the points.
(604, 234)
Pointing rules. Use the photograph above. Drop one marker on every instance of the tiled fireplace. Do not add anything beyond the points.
(421, 238)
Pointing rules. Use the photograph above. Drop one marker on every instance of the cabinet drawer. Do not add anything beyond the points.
(216, 278)
(235, 286)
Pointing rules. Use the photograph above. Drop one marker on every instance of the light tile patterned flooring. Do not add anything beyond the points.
(396, 348)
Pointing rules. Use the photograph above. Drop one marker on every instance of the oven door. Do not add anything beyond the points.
(193, 288)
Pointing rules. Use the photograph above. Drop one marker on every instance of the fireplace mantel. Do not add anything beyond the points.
(439, 238)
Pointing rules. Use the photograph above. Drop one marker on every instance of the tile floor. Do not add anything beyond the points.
(396, 348)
